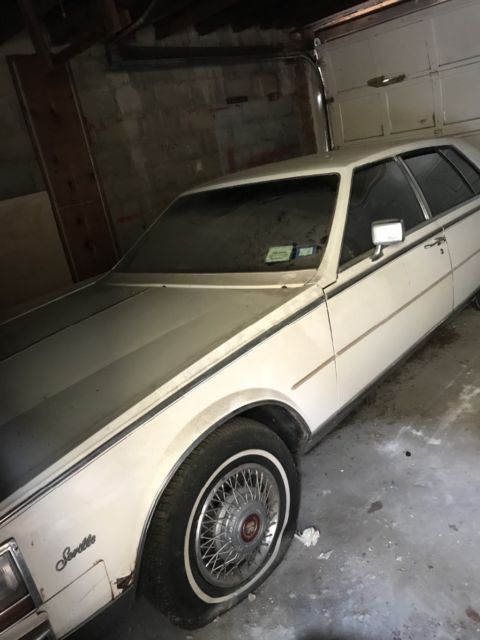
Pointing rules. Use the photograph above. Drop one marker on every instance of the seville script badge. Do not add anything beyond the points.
(69, 554)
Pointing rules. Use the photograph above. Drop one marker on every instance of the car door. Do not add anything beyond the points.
(451, 186)
(379, 309)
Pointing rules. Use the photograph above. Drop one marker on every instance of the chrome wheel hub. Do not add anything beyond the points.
(250, 527)
(237, 525)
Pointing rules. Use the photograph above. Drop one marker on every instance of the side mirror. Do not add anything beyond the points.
(384, 233)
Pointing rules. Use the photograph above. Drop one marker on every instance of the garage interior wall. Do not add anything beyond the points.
(154, 132)
(160, 130)
(32, 259)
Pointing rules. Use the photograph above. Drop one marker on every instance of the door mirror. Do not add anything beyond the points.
(386, 232)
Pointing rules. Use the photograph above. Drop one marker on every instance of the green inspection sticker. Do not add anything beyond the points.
(307, 251)
(281, 253)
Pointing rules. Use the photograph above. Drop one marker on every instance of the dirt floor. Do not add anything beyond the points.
(395, 494)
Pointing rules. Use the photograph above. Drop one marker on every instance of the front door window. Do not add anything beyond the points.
(379, 192)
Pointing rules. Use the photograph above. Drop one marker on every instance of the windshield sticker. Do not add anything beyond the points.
(307, 251)
(279, 254)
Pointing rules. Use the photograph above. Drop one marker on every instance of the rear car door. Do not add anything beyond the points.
(379, 309)
(450, 184)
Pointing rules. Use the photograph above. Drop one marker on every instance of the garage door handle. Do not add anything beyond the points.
(438, 241)
(384, 81)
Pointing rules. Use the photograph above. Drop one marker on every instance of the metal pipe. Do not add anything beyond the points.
(320, 100)
(194, 56)
(136, 24)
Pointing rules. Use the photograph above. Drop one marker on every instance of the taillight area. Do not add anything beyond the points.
(16, 599)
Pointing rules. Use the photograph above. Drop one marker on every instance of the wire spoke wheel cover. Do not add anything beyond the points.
(222, 524)
(237, 525)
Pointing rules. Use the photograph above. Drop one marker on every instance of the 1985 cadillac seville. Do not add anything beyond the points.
(151, 420)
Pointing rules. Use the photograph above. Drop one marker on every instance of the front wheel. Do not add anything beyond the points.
(222, 525)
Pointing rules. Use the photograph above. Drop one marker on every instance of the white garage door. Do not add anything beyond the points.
(414, 76)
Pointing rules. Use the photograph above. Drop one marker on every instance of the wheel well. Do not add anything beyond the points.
(283, 420)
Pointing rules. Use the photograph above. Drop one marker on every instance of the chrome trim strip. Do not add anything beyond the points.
(27, 596)
(11, 547)
(460, 264)
(133, 426)
(326, 427)
(392, 315)
(415, 187)
(312, 373)
(467, 214)
(377, 265)
(45, 633)
(34, 626)
(441, 151)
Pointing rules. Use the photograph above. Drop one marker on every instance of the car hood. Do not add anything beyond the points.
(69, 367)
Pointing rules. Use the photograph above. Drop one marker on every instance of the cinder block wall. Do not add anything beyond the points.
(157, 132)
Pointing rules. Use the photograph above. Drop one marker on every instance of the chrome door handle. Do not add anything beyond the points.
(437, 242)
(384, 81)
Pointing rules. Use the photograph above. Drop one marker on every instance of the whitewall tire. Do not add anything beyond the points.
(222, 525)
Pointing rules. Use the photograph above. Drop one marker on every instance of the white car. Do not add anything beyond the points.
(151, 421)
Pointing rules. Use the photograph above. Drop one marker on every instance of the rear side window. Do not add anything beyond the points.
(466, 168)
(443, 186)
(379, 192)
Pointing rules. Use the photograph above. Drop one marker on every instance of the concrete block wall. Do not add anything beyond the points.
(159, 131)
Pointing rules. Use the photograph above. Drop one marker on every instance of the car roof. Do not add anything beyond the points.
(336, 161)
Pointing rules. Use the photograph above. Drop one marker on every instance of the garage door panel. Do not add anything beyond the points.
(353, 64)
(402, 50)
(406, 114)
(437, 49)
(456, 34)
(461, 94)
(360, 117)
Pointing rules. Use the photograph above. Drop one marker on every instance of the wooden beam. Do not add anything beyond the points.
(82, 43)
(44, 6)
(12, 21)
(226, 17)
(36, 32)
(196, 10)
(168, 8)
(262, 14)
(114, 19)
(311, 12)
(150, 11)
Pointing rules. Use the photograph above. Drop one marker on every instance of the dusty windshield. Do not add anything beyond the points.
(280, 225)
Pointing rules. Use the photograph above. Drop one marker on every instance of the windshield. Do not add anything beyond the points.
(279, 225)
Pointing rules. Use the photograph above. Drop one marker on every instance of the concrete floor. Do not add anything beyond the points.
(395, 493)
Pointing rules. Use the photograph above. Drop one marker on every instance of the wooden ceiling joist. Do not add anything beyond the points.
(225, 17)
(63, 28)
(196, 10)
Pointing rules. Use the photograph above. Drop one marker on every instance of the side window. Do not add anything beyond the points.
(379, 192)
(466, 168)
(442, 185)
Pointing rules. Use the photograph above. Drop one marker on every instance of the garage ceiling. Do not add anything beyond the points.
(62, 28)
